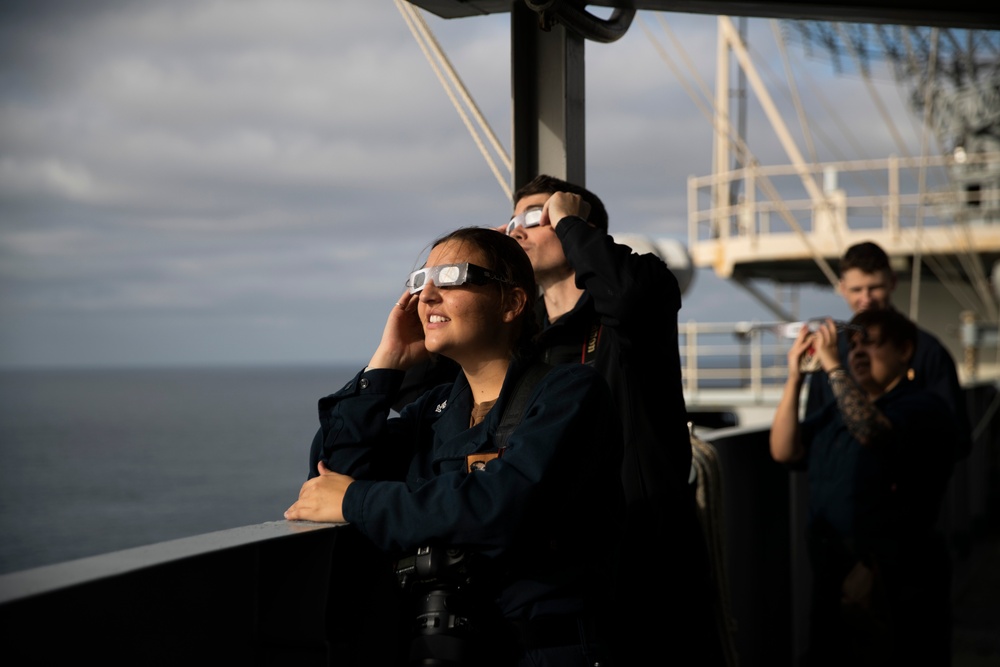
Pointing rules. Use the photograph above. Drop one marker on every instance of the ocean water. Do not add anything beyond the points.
(93, 461)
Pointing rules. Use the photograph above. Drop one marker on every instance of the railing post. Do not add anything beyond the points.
(691, 345)
(756, 360)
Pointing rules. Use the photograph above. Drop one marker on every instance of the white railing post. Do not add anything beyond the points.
(691, 344)
(756, 373)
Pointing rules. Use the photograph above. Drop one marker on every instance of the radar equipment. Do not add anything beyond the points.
(953, 80)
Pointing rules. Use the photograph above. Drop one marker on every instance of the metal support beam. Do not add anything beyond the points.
(547, 89)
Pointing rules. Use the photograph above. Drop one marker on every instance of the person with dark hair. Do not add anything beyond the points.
(869, 258)
(867, 282)
(492, 487)
(544, 184)
(605, 306)
(879, 459)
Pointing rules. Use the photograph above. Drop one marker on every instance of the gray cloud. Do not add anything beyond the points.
(233, 182)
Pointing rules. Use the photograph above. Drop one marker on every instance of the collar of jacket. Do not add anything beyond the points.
(452, 435)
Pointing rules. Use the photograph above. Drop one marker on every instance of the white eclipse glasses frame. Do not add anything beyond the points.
(530, 218)
(452, 275)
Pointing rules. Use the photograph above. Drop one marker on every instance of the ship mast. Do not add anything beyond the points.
(938, 216)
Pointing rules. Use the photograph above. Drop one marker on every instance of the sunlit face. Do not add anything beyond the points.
(876, 364)
(541, 243)
(864, 291)
(465, 321)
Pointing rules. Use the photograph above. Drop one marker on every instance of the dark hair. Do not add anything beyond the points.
(892, 325)
(545, 184)
(505, 256)
(867, 257)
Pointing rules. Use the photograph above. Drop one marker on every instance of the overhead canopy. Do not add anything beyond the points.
(973, 14)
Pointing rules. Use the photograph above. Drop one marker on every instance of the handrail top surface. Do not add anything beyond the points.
(48, 578)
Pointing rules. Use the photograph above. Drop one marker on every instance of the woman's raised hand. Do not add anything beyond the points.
(402, 344)
(800, 346)
(826, 345)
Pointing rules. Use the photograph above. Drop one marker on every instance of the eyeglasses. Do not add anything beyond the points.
(530, 218)
(452, 275)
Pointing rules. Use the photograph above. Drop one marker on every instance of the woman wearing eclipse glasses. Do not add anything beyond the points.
(506, 479)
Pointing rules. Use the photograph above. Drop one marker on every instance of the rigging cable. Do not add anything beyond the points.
(741, 147)
(967, 260)
(704, 105)
(835, 147)
(796, 98)
(873, 93)
(800, 112)
(976, 294)
(921, 188)
(738, 48)
(943, 268)
(979, 288)
(917, 259)
(426, 41)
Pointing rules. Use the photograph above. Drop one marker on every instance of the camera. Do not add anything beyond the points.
(432, 564)
(809, 361)
(452, 592)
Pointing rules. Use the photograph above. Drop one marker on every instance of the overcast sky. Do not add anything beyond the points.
(250, 181)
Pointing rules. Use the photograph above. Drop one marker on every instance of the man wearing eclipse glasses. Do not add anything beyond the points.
(606, 306)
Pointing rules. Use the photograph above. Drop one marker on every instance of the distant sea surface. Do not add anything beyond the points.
(93, 461)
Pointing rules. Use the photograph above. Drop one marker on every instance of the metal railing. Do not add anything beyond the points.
(743, 356)
(890, 194)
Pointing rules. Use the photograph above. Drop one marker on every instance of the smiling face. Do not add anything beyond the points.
(877, 363)
(541, 243)
(467, 322)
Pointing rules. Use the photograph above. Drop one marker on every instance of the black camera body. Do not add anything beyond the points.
(453, 606)
(432, 565)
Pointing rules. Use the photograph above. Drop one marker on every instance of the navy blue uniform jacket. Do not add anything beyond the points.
(892, 488)
(625, 325)
(539, 510)
(635, 300)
